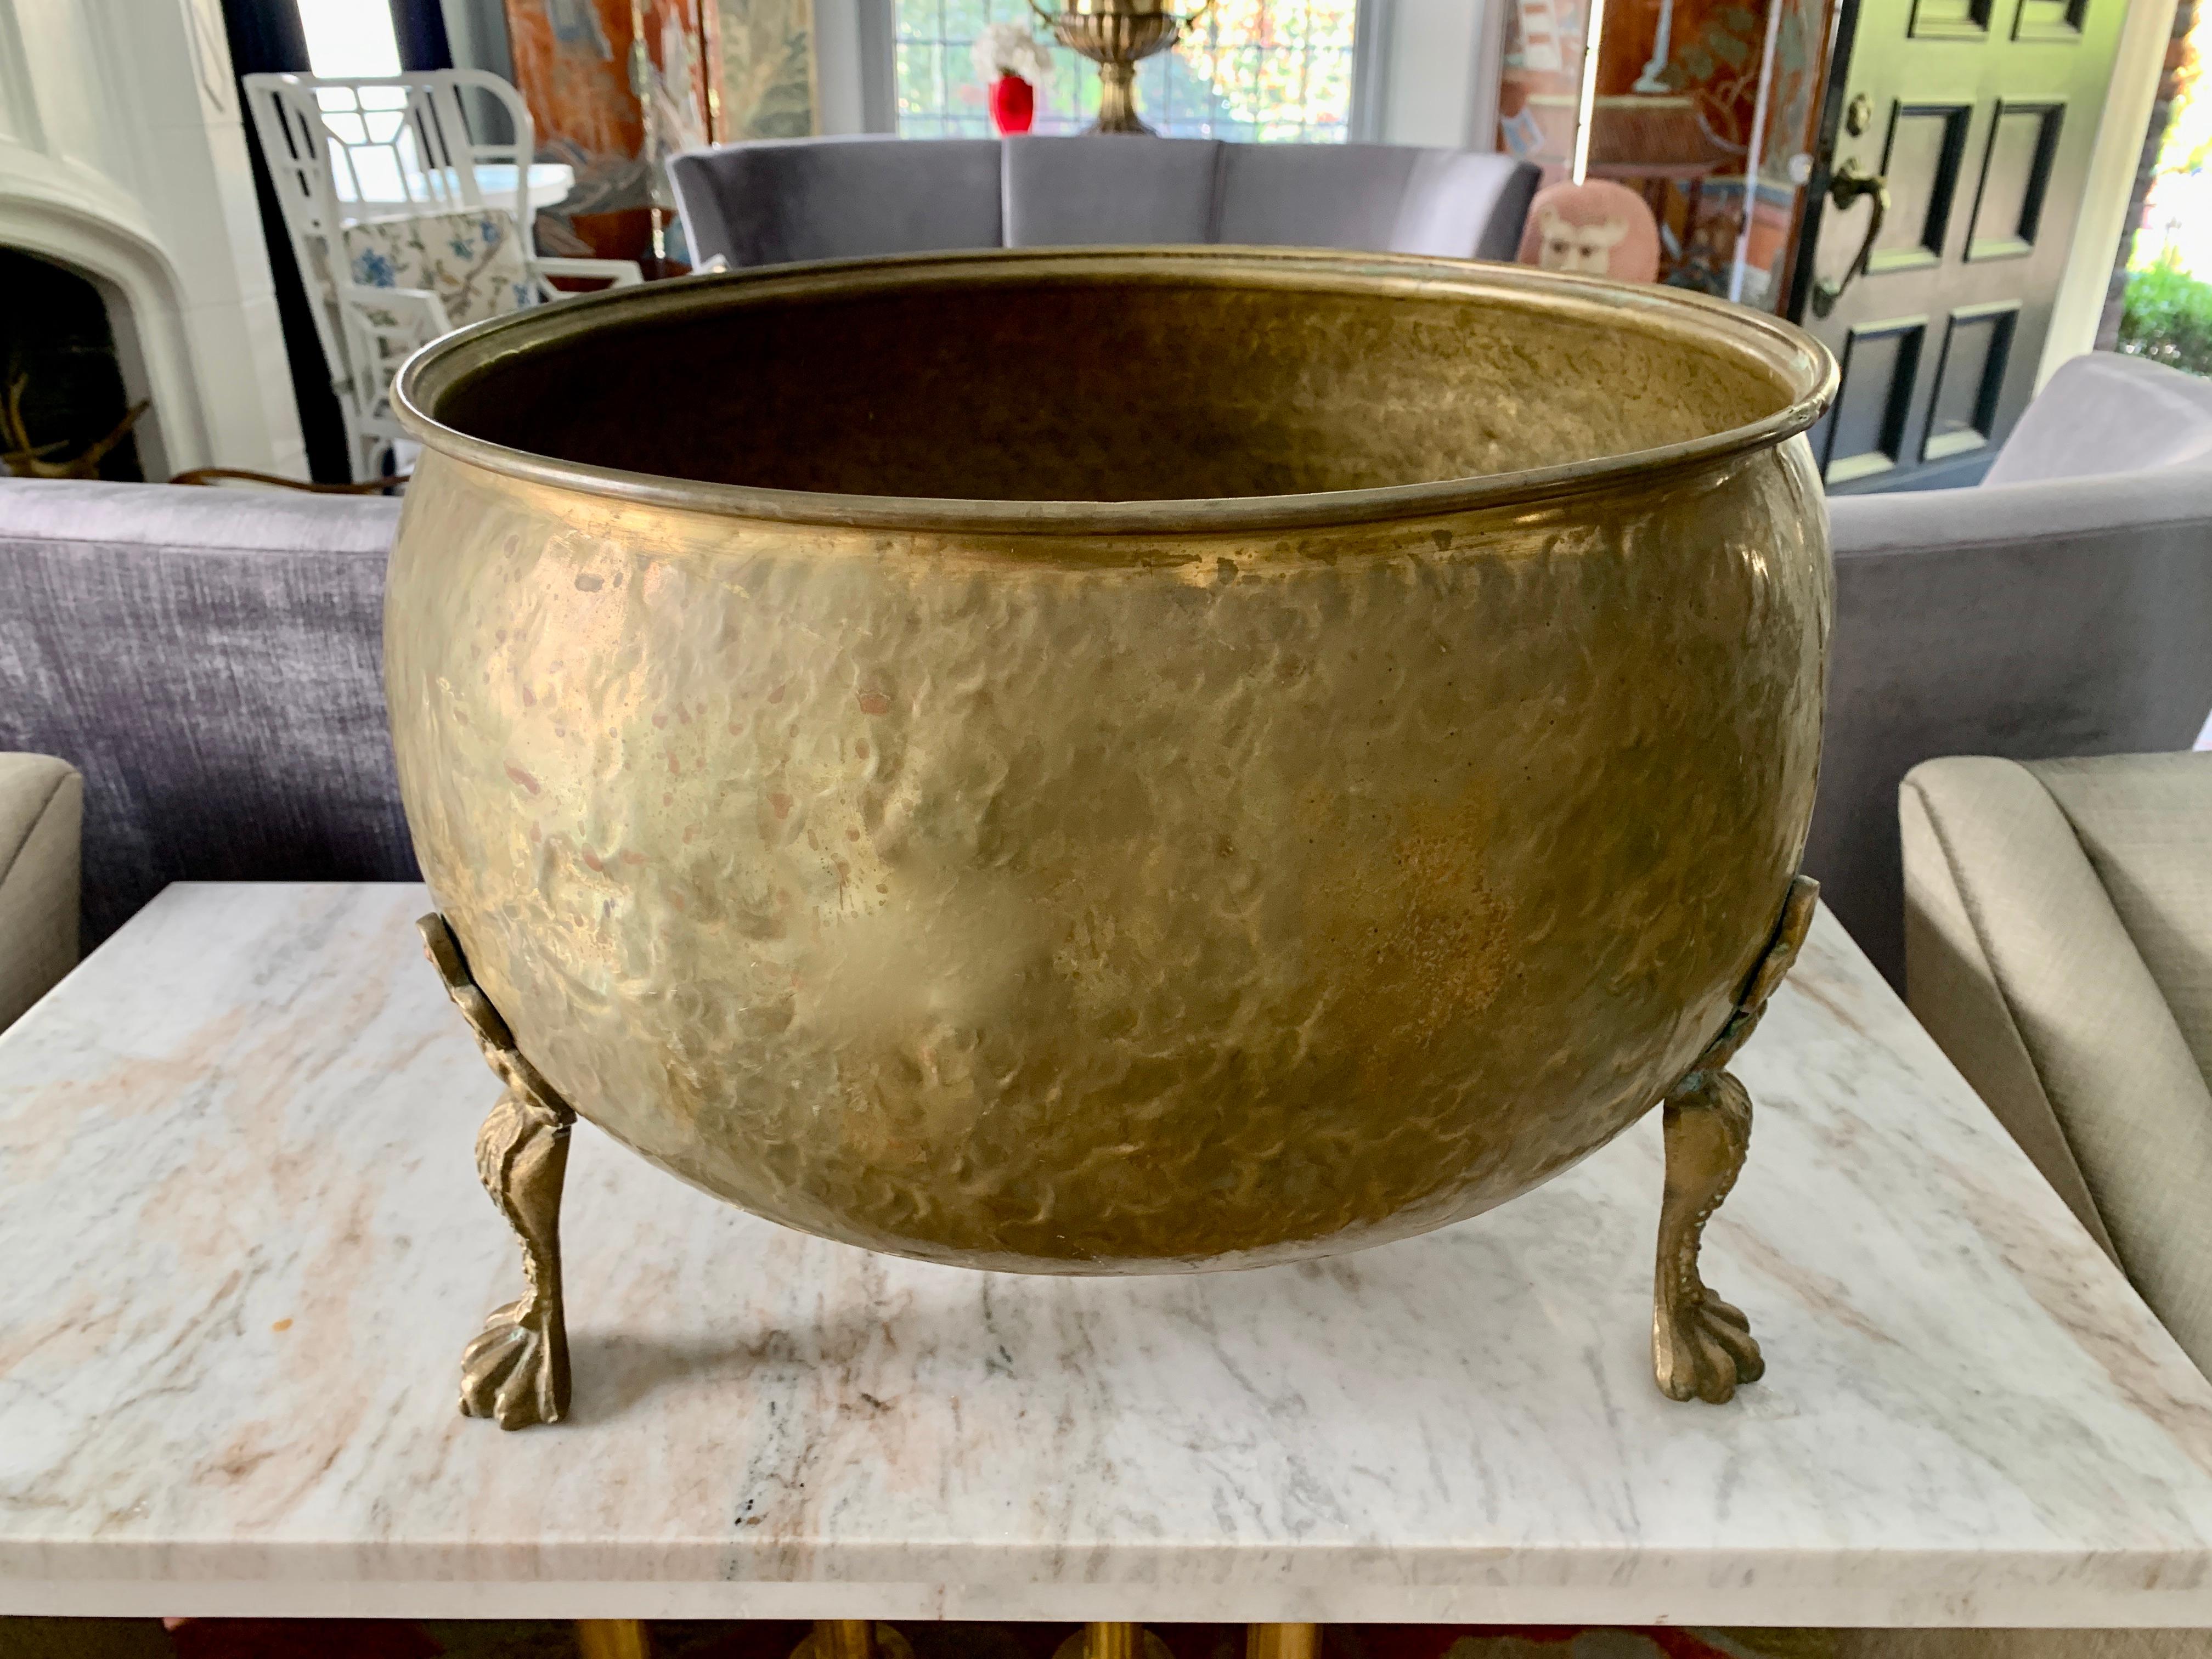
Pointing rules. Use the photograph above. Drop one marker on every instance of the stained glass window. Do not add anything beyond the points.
(1271, 70)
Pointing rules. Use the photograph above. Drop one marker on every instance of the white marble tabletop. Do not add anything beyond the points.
(241, 1244)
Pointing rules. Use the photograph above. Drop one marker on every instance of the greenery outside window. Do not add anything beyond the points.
(2168, 315)
(1264, 70)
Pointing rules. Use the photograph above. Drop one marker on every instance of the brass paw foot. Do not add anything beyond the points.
(516, 1369)
(1701, 1347)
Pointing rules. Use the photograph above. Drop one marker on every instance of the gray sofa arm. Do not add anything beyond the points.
(42, 828)
(208, 659)
(2032, 621)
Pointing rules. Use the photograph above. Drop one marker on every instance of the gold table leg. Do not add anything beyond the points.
(1113, 1641)
(852, 1639)
(1282, 1642)
(613, 1639)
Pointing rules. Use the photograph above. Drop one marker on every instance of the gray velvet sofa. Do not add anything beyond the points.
(208, 658)
(2063, 606)
(824, 198)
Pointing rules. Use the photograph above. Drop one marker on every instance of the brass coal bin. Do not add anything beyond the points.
(1113, 760)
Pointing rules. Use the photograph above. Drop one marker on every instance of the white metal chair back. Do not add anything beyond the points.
(401, 142)
(342, 151)
(296, 147)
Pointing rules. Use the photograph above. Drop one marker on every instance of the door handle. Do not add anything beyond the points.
(1845, 186)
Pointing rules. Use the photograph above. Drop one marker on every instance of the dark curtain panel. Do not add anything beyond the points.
(266, 38)
(421, 27)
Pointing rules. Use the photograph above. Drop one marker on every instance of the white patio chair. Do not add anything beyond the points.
(368, 168)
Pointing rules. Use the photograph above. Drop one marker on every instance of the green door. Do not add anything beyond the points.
(1969, 123)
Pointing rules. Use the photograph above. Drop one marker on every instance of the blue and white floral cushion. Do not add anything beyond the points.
(471, 258)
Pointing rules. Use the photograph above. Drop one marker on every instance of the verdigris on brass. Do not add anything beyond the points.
(1324, 759)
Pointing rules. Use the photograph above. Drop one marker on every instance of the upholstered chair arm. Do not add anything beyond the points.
(41, 829)
(2021, 965)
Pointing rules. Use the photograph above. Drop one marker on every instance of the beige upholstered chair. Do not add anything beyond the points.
(2058, 946)
(41, 814)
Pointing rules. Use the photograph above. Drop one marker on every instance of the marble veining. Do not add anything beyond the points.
(241, 1245)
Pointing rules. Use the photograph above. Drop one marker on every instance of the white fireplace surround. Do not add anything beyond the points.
(122, 156)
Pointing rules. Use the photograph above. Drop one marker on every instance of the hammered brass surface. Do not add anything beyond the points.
(1077, 888)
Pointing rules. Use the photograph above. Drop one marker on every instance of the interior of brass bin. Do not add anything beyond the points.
(1113, 760)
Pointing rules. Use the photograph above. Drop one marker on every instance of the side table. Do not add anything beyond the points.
(243, 1243)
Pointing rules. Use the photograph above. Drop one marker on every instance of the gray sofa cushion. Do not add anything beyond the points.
(210, 660)
(1103, 189)
(1313, 195)
(782, 199)
(1387, 198)
(1450, 190)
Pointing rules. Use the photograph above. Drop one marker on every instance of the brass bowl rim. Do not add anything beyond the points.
(1795, 360)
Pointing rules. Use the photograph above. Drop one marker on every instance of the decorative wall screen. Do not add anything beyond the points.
(1270, 71)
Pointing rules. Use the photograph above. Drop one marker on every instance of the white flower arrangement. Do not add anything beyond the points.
(1010, 49)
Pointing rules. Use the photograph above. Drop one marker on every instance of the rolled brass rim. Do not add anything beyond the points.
(1804, 372)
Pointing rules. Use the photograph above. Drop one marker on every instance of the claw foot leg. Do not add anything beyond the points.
(1701, 1347)
(516, 1369)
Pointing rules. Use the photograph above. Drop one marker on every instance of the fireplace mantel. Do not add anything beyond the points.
(122, 154)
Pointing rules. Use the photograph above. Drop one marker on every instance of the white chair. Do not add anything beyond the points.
(369, 170)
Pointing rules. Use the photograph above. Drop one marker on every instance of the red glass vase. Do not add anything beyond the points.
(1013, 104)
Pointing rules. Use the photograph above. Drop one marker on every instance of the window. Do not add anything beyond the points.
(349, 37)
(1273, 70)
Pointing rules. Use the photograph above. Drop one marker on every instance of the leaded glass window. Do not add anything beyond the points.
(1270, 71)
